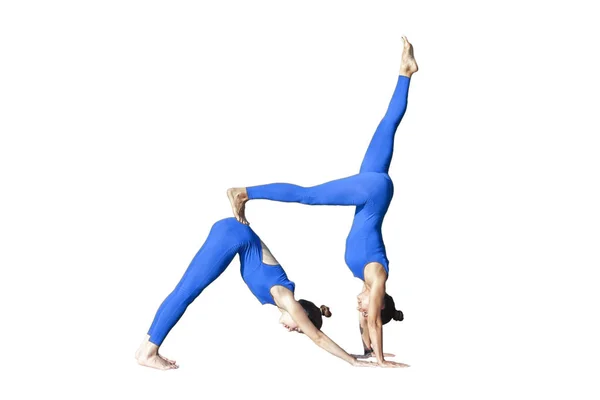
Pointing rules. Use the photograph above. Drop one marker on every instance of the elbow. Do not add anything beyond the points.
(375, 323)
(319, 339)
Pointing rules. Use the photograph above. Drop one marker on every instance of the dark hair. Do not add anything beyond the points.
(314, 313)
(389, 311)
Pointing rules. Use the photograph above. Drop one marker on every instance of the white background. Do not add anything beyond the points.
(124, 122)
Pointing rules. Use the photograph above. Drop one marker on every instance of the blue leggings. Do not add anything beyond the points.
(379, 152)
(215, 255)
(371, 190)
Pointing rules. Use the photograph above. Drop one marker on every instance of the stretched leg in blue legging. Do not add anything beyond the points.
(210, 261)
(379, 153)
(202, 271)
(351, 191)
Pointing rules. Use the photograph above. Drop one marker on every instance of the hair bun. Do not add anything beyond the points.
(325, 311)
(398, 315)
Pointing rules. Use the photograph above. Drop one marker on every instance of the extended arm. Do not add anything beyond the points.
(375, 327)
(374, 323)
(364, 334)
(375, 277)
(285, 300)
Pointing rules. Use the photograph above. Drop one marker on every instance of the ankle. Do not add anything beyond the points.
(148, 349)
(241, 194)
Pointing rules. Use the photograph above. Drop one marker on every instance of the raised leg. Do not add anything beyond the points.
(350, 191)
(379, 153)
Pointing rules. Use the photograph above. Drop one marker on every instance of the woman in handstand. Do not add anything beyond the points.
(265, 279)
(371, 191)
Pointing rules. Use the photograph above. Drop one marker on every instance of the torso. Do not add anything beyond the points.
(261, 271)
(267, 257)
(364, 243)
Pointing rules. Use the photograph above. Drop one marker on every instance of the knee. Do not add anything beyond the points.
(393, 118)
(185, 295)
(309, 195)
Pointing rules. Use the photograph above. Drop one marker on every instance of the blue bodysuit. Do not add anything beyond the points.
(226, 239)
(371, 190)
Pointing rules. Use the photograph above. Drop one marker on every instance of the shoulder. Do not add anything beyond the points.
(281, 294)
(375, 271)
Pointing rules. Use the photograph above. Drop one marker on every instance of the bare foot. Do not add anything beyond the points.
(409, 64)
(238, 198)
(147, 355)
(167, 360)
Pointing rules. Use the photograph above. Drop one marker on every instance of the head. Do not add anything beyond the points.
(313, 312)
(388, 308)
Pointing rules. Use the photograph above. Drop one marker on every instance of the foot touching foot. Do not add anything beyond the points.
(238, 198)
(147, 355)
(409, 64)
